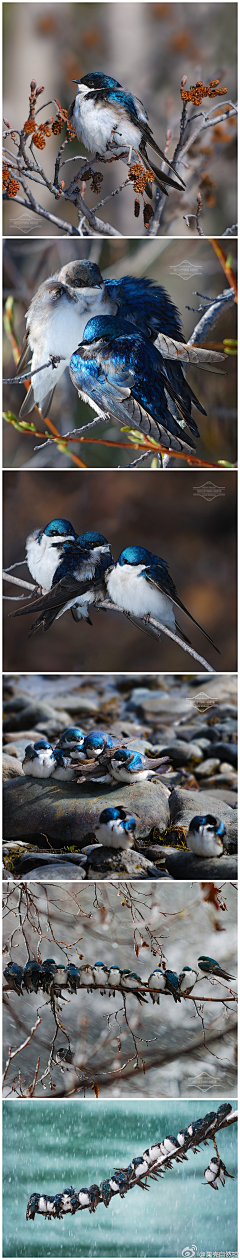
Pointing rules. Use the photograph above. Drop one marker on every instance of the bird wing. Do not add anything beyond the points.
(30, 402)
(167, 587)
(112, 393)
(50, 604)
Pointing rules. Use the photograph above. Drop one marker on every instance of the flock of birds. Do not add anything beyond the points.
(154, 1161)
(76, 571)
(52, 977)
(100, 758)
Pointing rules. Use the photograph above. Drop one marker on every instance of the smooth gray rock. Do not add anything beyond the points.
(184, 805)
(207, 767)
(58, 870)
(180, 752)
(11, 767)
(183, 865)
(68, 814)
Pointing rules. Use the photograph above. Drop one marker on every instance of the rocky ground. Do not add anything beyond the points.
(49, 827)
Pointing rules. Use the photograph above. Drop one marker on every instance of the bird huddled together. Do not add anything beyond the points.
(77, 571)
(123, 343)
(100, 758)
(52, 977)
(153, 1162)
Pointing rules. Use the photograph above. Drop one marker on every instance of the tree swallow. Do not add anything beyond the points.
(86, 975)
(14, 975)
(187, 980)
(45, 548)
(116, 830)
(205, 836)
(130, 980)
(70, 739)
(63, 767)
(112, 122)
(212, 968)
(171, 985)
(32, 976)
(216, 1172)
(128, 766)
(114, 977)
(49, 970)
(64, 1056)
(118, 371)
(157, 981)
(77, 583)
(97, 742)
(55, 321)
(100, 973)
(153, 1153)
(39, 760)
(83, 1197)
(72, 977)
(139, 1166)
(140, 584)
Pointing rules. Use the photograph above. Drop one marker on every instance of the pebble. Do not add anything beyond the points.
(207, 767)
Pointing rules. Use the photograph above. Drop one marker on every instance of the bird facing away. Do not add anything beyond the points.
(205, 836)
(112, 122)
(140, 584)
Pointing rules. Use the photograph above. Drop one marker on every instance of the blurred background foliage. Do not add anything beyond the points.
(27, 263)
(196, 537)
(148, 47)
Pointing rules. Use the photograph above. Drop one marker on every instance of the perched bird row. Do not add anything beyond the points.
(142, 1166)
(123, 343)
(78, 571)
(52, 977)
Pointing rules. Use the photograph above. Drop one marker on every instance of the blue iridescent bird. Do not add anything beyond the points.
(32, 976)
(140, 585)
(14, 975)
(116, 829)
(70, 739)
(77, 583)
(205, 836)
(45, 548)
(96, 743)
(212, 968)
(128, 766)
(187, 980)
(39, 760)
(119, 371)
(111, 122)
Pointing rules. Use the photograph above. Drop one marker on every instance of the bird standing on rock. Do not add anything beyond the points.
(205, 836)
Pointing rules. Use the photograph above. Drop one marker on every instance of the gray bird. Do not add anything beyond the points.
(55, 321)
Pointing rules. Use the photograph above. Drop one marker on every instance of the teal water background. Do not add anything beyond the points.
(50, 1145)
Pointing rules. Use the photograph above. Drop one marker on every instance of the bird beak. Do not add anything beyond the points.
(75, 80)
